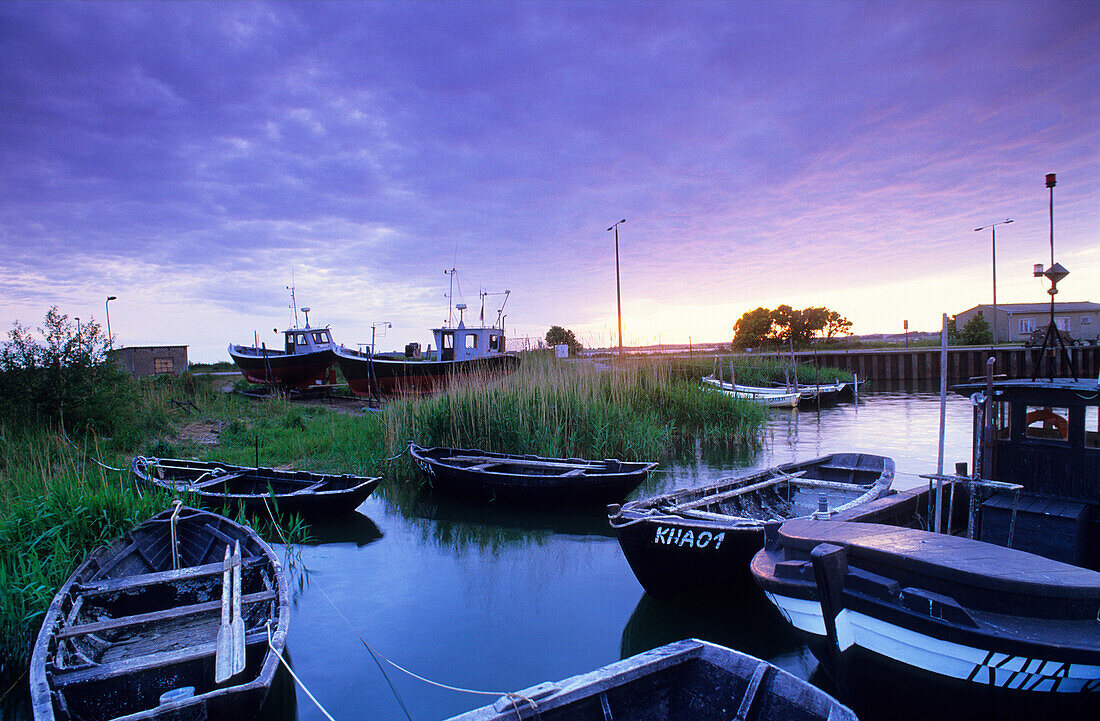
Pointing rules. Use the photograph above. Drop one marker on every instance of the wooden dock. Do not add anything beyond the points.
(899, 364)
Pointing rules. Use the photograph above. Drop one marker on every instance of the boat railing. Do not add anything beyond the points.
(973, 485)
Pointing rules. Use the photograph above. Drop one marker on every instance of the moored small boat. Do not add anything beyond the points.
(1003, 622)
(689, 680)
(528, 478)
(143, 626)
(778, 397)
(216, 484)
(702, 538)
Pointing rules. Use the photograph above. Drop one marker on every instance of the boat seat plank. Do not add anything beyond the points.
(113, 624)
(312, 487)
(733, 492)
(210, 482)
(484, 466)
(61, 678)
(573, 472)
(112, 585)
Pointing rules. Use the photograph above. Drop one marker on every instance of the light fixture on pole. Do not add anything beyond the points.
(618, 290)
(993, 228)
(373, 328)
(1055, 273)
(107, 308)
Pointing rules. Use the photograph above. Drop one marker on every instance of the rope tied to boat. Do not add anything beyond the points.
(294, 676)
(513, 697)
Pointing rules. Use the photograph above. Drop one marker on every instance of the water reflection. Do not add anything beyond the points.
(346, 528)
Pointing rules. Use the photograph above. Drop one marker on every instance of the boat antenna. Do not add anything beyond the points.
(500, 311)
(293, 302)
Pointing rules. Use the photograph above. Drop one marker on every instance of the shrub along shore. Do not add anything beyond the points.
(59, 498)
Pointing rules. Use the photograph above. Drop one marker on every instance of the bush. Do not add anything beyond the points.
(62, 380)
(976, 332)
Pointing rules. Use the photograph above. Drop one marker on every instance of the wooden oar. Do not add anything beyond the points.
(223, 662)
(237, 625)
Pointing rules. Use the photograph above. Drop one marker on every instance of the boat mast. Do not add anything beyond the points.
(293, 302)
(450, 297)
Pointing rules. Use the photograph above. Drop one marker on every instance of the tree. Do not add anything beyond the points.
(836, 324)
(752, 328)
(976, 332)
(560, 336)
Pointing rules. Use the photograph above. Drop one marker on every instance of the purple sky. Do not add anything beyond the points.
(188, 158)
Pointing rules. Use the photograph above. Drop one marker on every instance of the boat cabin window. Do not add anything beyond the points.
(320, 337)
(1001, 415)
(1047, 422)
(471, 340)
(1092, 427)
(448, 341)
(494, 342)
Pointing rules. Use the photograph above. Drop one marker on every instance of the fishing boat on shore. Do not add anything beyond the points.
(689, 680)
(304, 360)
(215, 484)
(998, 610)
(528, 478)
(166, 622)
(701, 539)
(460, 351)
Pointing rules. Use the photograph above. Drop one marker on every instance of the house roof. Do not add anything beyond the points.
(1082, 306)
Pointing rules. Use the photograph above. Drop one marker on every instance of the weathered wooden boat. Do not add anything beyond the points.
(143, 627)
(528, 478)
(1005, 616)
(689, 680)
(304, 360)
(702, 538)
(215, 484)
(777, 397)
(460, 352)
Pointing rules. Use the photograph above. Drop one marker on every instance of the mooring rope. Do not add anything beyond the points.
(294, 676)
(76, 447)
(375, 654)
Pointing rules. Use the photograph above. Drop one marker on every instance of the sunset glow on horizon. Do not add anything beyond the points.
(196, 159)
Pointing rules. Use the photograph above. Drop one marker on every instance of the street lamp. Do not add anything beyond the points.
(375, 326)
(618, 290)
(107, 307)
(993, 229)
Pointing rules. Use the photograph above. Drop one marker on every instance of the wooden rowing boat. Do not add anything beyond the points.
(135, 632)
(689, 680)
(776, 397)
(216, 484)
(528, 478)
(702, 538)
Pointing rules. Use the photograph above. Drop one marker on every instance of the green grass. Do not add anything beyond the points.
(760, 371)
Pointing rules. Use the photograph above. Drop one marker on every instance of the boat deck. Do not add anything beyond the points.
(949, 558)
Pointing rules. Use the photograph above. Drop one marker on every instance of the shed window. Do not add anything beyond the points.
(1027, 325)
(1062, 323)
(162, 365)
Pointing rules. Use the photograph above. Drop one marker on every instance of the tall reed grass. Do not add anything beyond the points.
(551, 408)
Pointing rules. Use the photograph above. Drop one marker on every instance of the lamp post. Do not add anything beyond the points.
(107, 308)
(375, 326)
(618, 290)
(993, 229)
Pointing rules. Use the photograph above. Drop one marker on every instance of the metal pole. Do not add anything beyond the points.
(618, 288)
(943, 420)
(107, 308)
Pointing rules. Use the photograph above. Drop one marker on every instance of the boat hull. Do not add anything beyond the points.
(367, 376)
(297, 371)
(673, 553)
(547, 480)
(687, 680)
(125, 628)
(307, 494)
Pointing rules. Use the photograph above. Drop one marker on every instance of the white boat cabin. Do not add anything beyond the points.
(307, 340)
(464, 343)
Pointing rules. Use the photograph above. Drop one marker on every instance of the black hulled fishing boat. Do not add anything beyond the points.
(689, 680)
(1002, 615)
(182, 618)
(216, 484)
(460, 352)
(307, 355)
(701, 539)
(528, 478)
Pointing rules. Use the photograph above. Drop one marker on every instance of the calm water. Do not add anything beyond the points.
(498, 601)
